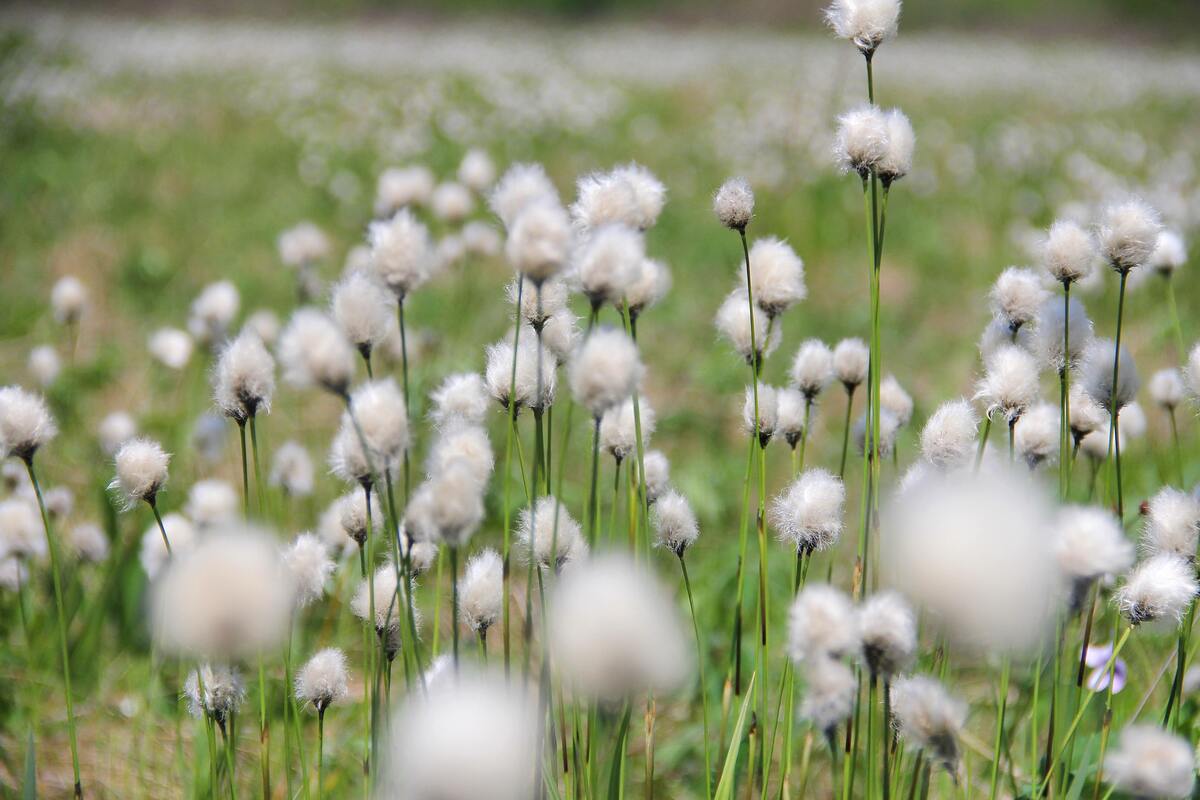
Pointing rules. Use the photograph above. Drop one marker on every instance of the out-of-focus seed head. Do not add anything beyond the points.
(25, 423)
(822, 625)
(213, 311)
(451, 202)
(302, 245)
(460, 399)
(650, 284)
(44, 365)
(217, 691)
(21, 532)
(898, 154)
(604, 370)
(929, 719)
(171, 347)
(766, 403)
(362, 310)
(1036, 435)
(895, 399)
(308, 563)
(1170, 253)
(1172, 524)
(1017, 295)
(1088, 545)
(793, 413)
(314, 352)
(830, 687)
(153, 554)
(888, 630)
(540, 241)
(658, 475)
(115, 430)
(477, 171)
(402, 254)
(555, 538)
(292, 469)
(1151, 762)
(1047, 342)
(68, 299)
(212, 502)
(520, 186)
(1096, 375)
(1010, 383)
(1167, 388)
(608, 262)
(400, 187)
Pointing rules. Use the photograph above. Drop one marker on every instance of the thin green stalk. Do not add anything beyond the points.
(230, 767)
(1178, 449)
(404, 382)
(593, 504)
(55, 571)
(1114, 411)
(264, 730)
(804, 434)
(687, 586)
(886, 771)
(1174, 309)
(241, 423)
(1105, 728)
(161, 528)
(1064, 388)
(320, 753)
(616, 772)
(743, 533)
(210, 736)
(1181, 649)
(1001, 711)
(454, 603)
(511, 412)
(983, 437)
(616, 503)
(258, 481)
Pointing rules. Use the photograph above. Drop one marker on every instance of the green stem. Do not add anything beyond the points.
(1174, 309)
(258, 481)
(454, 603)
(846, 430)
(161, 528)
(1001, 710)
(404, 382)
(1113, 411)
(1064, 388)
(511, 412)
(320, 753)
(1178, 449)
(687, 585)
(983, 437)
(245, 470)
(593, 505)
(264, 728)
(616, 772)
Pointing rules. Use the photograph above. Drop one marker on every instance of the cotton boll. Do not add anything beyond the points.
(766, 404)
(808, 514)
(851, 360)
(649, 194)
(889, 426)
(229, 597)
(141, 466)
(460, 399)
(171, 347)
(465, 446)
(1170, 253)
(674, 522)
(615, 631)
(733, 323)
(733, 203)
(1048, 334)
(658, 475)
(466, 738)
(451, 202)
(650, 284)
(1150, 762)
(399, 187)
(618, 428)
(608, 262)
(302, 245)
(382, 418)
(68, 299)
(362, 311)
(1069, 252)
(313, 351)
(1036, 436)
(829, 691)
(812, 368)
(89, 542)
(821, 625)
(792, 414)
(1010, 383)
(323, 679)
(292, 470)
(898, 154)
(866, 23)
(213, 311)
(356, 516)
(476, 170)
(1089, 544)
(862, 139)
(603, 199)
(1086, 415)
(480, 239)
(1158, 590)
(929, 719)
(401, 253)
(1017, 296)
(556, 539)
(520, 186)
(605, 370)
(894, 399)
(1129, 234)
(25, 423)
(308, 563)
(1096, 375)
(888, 630)
(1167, 389)
(212, 502)
(447, 507)
(481, 591)
(114, 430)
(217, 691)
(44, 365)
(1172, 524)
(539, 241)
(776, 276)
(244, 377)
(538, 304)
(21, 532)
(973, 552)
(948, 438)
(153, 554)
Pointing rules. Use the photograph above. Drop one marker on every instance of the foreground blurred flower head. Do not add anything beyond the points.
(1150, 762)
(614, 630)
(25, 423)
(928, 719)
(973, 552)
(229, 597)
(467, 738)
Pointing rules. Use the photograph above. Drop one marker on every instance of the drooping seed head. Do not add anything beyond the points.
(866, 23)
(314, 352)
(141, 466)
(674, 522)
(217, 691)
(481, 591)
(807, 515)
(1087, 416)
(1158, 590)
(733, 203)
(322, 681)
(1151, 762)
(1128, 234)
(776, 275)
(25, 423)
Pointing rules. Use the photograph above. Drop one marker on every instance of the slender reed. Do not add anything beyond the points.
(687, 586)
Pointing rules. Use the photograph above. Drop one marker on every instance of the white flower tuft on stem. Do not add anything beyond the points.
(889, 426)
(1167, 388)
(1170, 253)
(520, 186)
(888, 630)
(733, 323)
(401, 253)
(830, 689)
(866, 23)
(352, 514)
(303, 244)
(447, 507)
(768, 412)
(948, 438)
(477, 171)
(898, 154)
(733, 203)
(68, 299)
(540, 241)
(244, 377)
(362, 311)
(1010, 383)
(649, 194)
(44, 364)
(89, 542)
(399, 187)
(1089, 545)
(658, 474)
(115, 430)
(212, 312)
(451, 202)
(790, 414)
(1158, 590)
(894, 399)
(307, 561)
(391, 601)
(851, 360)
(460, 399)
(808, 514)
(171, 347)
(605, 370)
(1096, 374)
(481, 591)
(1128, 234)
(313, 351)
(812, 368)
(555, 544)
(1172, 524)
(462, 446)
(651, 282)
(1151, 762)
(25, 423)
(292, 469)
(822, 625)
(674, 522)
(1036, 436)
(1047, 343)
(608, 262)
(1017, 296)
(862, 139)
(21, 532)
(141, 465)
(1069, 252)
(323, 679)
(929, 719)
(618, 431)
(776, 274)
(224, 692)
(211, 502)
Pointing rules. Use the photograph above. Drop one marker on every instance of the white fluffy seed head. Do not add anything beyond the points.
(89, 542)
(830, 688)
(115, 430)
(477, 171)
(314, 352)
(538, 306)
(1151, 762)
(223, 692)
(555, 538)
(347, 459)
(303, 244)
(141, 466)
(808, 514)
(948, 438)
(1172, 524)
(171, 347)
(898, 154)
(888, 630)
(1170, 253)
(649, 194)
(1167, 388)
(851, 359)
(1157, 591)
(390, 601)
(862, 139)
(451, 202)
(604, 370)
(733, 323)
(1089, 545)
(608, 262)
(674, 522)
(462, 446)
(1087, 415)
(44, 364)
(362, 310)
(1069, 252)
(68, 299)
(13, 573)
(21, 532)
(812, 368)
(929, 719)
(383, 418)
(1047, 342)
(399, 187)
(614, 630)
(733, 203)
(520, 186)
(468, 737)
(481, 592)
(229, 597)
(460, 399)
(540, 241)
(559, 335)
(1096, 375)
(212, 502)
(309, 565)
(213, 311)
(153, 553)
(618, 428)
(244, 377)
(1128, 234)
(1192, 371)
(323, 678)
(1010, 383)
(792, 414)
(480, 239)
(776, 275)
(1017, 295)
(292, 469)
(265, 323)
(651, 282)
(402, 254)
(1036, 436)
(354, 515)
(447, 507)
(767, 406)
(602, 199)
(658, 474)
(25, 423)
(866, 23)
(889, 427)
(895, 399)
(822, 625)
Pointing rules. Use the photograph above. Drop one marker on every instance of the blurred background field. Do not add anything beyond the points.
(151, 153)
